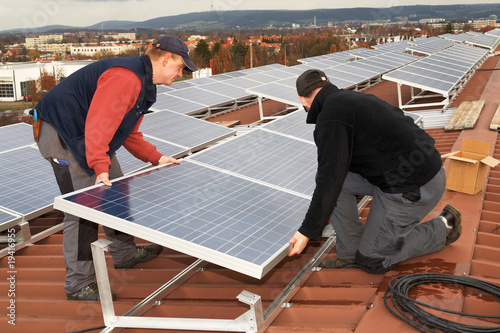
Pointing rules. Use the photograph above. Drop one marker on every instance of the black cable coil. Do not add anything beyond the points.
(423, 321)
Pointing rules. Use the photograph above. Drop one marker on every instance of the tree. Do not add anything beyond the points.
(44, 83)
(255, 60)
(216, 48)
(33, 54)
(102, 54)
(202, 54)
(238, 54)
(222, 62)
(449, 28)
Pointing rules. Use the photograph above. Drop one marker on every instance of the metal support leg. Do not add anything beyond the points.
(101, 270)
(252, 321)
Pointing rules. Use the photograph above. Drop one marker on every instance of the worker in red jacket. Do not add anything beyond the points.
(82, 121)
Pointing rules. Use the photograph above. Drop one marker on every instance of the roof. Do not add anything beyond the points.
(345, 300)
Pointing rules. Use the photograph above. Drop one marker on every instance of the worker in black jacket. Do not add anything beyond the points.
(369, 147)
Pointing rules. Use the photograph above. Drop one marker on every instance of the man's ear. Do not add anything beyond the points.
(166, 58)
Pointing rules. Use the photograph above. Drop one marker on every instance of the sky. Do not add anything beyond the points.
(81, 13)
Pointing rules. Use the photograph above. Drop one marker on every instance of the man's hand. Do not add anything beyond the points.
(103, 178)
(298, 242)
(167, 159)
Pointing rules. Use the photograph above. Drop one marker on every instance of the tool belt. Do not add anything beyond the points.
(37, 122)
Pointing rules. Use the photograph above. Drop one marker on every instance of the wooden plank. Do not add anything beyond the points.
(228, 123)
(495, 122)
(457, 118)
(474, 113)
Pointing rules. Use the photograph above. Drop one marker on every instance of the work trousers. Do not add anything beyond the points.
(392, 232)
(78, 233)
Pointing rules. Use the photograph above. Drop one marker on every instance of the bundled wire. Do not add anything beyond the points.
(411, 312)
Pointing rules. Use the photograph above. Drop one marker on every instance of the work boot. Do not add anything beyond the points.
(339, 263)
(87, 293)
(142, 254)
(454, 220)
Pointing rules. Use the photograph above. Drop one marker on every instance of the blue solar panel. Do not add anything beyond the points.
(267, 157)
(183, 130)
(130, 163)
(293, 124)
(208, 214)
(15, 136)
(27, 182)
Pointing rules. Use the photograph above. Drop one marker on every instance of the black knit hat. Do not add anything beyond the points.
(307, 79)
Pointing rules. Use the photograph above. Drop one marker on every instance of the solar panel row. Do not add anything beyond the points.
(441, 71)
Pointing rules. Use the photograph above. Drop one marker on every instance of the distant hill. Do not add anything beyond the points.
(279, 18)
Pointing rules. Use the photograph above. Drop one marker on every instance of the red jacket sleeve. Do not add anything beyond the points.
(116, 93)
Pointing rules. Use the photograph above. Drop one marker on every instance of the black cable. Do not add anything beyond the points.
(411, 312)
(492, 231)
(90, 329)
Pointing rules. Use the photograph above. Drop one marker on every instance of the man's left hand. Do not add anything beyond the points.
(298, 242)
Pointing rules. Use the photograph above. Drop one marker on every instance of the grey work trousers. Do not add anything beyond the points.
(392, 232)
(78, 233)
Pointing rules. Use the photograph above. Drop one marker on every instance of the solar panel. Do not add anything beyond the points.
(267, 157)
(494, 32)
(457, 38)
(439, 72)
(293, 124)
(205, 213)
(27, 182)
(487, 41)
(15, 136)
(200, 96)
(277, 91)
(130, 163)
(176, 104)
(232, 92)
(183, 130)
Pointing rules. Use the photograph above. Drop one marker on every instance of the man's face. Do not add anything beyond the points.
(169, 70)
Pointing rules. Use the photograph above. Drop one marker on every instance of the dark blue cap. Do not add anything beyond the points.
(175, 45)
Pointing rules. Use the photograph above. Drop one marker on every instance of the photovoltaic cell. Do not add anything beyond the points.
(217, 217)
(266, 157)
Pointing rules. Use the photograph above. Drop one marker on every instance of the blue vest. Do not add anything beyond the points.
(66, 105)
